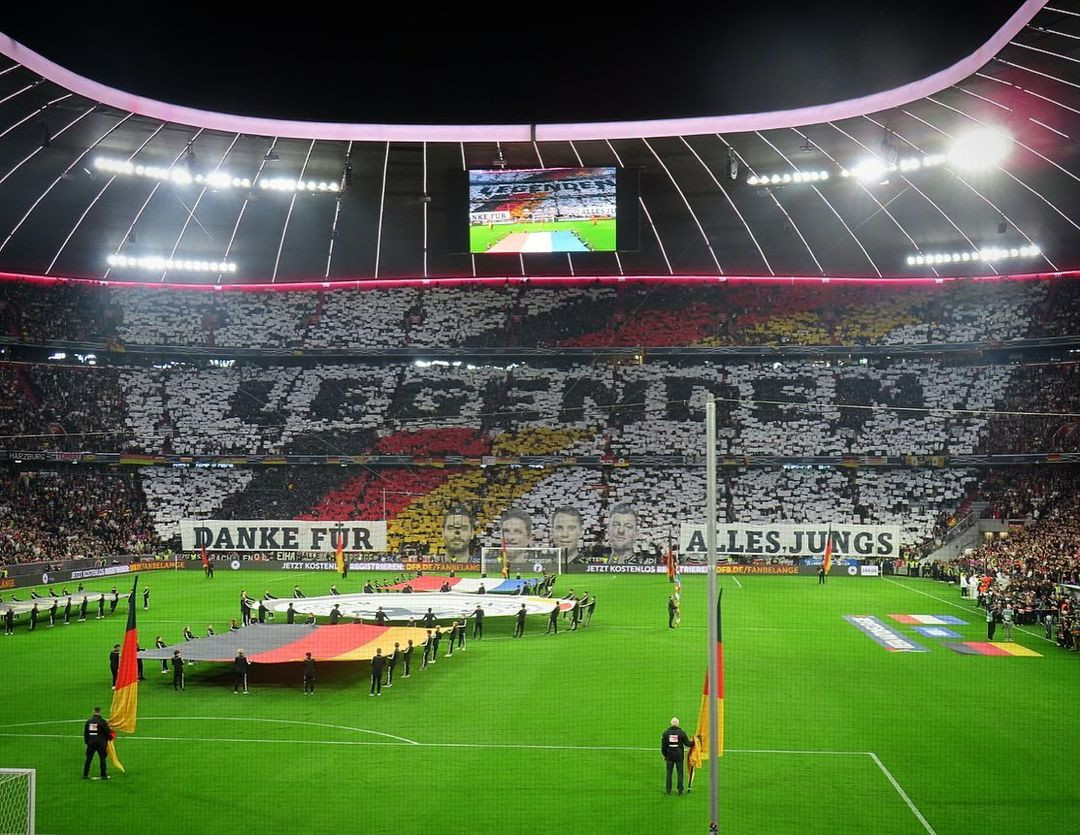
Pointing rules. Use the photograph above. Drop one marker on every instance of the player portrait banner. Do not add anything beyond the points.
(281, 535)
(791, 540)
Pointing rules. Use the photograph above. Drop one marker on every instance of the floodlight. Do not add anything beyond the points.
(980, 149)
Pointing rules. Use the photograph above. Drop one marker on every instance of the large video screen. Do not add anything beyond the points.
(542, 210)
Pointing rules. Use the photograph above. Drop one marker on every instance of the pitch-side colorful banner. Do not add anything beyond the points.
(791, 540)
(281, 535)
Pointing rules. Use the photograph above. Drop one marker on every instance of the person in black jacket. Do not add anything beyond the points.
(290, 614)
(34, 617)
(245, 610)
(380, 617)
(309, 674)
(114, 601)
(673, 742)
(82, 609)
(96, 735)
(429, 620)
(334, 590)
(240, 671)
(177, 670)
(335, 615)
(391, 662)
(160, 644)
(553, 621)
(378, 664)
(452, 638)
(435, 639)
(519, 626)
(406, 658)
(296, 593)
(427, 650)
(101, 607)
(52, 615)
(478, 622)
(9, 621)
(114, 663)
(67, 612)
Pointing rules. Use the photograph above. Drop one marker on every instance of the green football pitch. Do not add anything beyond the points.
(826, 731)
(598, 237)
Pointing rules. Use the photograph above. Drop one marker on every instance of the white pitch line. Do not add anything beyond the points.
(736, 579)
(903, 794)
(966, 609)
(227, 719)
(492, 745)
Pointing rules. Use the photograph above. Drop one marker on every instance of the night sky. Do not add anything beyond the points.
(481, 63)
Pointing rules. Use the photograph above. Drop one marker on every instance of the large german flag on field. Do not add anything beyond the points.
(125, 701)
(700, 743)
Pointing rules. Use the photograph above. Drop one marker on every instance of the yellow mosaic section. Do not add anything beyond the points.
(486, 492)
(855, 324)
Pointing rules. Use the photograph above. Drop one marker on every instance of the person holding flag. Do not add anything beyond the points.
(125, 701)
(96, 735)
(673, 741)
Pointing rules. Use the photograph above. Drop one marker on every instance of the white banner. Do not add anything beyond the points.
(281, 535)
(83, 573)
(791, 540)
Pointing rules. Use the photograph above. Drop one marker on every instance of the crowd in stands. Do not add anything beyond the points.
(1027, 571)
(1053, 389)
(61, 514)
(654, 408)
(650, 409)
(595, 316)
(61, 407)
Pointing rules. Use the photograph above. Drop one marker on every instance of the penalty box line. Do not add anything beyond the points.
(518, 747)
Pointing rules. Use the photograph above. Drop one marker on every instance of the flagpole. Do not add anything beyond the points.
(710, 543)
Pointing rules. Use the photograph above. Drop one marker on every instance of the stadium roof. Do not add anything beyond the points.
(400, 210)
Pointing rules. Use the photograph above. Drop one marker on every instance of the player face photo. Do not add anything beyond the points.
(516, 531)
(622, 532)
(457, 534)
(566, 532)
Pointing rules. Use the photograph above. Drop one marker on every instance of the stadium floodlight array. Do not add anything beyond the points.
(289, 184)
(980, 148)
(872, 169)
(179, 175)
(990, 253)
(787, 178)
(157, 262)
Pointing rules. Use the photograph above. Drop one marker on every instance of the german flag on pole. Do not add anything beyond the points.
(699, 749)
(125, 701)
(339, 554)
(672, 563)
(826, 561)
(505, 565)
